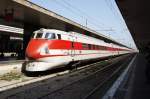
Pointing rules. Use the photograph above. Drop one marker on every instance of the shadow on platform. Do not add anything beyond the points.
(137, 85)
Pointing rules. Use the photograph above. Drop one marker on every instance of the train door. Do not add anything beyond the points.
(72, 46)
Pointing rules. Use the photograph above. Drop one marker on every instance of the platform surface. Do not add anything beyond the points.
(139, 87)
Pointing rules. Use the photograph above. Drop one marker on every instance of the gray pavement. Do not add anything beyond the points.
(138, 87)
(11, 65)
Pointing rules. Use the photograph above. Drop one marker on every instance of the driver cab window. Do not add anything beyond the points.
(38, 35)
(50, 36)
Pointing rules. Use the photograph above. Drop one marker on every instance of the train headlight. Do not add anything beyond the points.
(44, 50)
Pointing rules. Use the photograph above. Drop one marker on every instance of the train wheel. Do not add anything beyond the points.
(73, 66)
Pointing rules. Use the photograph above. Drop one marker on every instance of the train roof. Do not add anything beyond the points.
(64, 32)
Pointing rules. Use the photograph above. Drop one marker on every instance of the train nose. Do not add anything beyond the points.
(33, 52)
(34, 48)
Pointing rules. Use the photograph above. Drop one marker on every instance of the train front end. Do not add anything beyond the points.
(37, 52)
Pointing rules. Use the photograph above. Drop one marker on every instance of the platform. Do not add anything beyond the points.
(10, 65)
(135, 85)
(139, 88)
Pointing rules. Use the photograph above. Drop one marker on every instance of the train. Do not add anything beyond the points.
(51, 48)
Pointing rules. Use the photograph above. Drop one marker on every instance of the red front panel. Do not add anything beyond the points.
(34, 46)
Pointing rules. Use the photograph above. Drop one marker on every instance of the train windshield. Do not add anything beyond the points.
(50, 36)
(39, 35)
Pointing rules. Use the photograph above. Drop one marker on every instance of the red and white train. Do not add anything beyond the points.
(50, 48)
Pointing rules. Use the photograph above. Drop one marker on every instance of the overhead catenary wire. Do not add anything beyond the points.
(70, 9)
(77, 11)
(93, 22)
(66, 7)
(114, 11)
(85, 14)
(113, 7)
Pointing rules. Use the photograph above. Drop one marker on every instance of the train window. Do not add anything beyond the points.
(85, 46)
(89, 45)
(96, 47)
(102, 47)
(93, 46)
(50, 36)
(39, 35)
(59, 36)
(72, 44)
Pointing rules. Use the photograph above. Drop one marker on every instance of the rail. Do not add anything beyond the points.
(57, 82)
(103, 83)
(96, 72)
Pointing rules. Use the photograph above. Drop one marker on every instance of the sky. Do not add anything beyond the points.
(102, 16)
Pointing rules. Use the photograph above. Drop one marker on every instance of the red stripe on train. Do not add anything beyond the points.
(64, 44)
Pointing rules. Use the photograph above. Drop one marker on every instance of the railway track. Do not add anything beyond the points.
(27, 80)
(90, 82)
(59, 87)
(99, 90)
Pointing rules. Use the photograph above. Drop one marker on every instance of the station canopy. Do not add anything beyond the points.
(19, 13)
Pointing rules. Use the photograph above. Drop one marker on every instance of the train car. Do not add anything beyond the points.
(50, 48)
